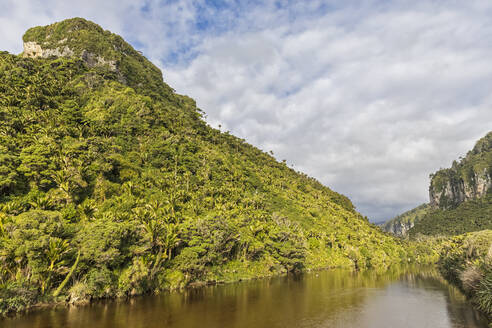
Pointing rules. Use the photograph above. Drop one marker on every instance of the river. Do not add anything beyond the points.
(410, 297)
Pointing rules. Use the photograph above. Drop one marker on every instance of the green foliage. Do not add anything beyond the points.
(466, 260)
(483, 294)
(473, 215)
(85, 38)
(15, 297)
(406, 220)
(112, 185)
(460, 182)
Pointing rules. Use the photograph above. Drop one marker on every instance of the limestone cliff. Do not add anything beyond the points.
(460, 198)
(34, 50)
(401, 224)
(470, 178)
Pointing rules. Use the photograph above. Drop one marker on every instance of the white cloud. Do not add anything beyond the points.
(369, 97)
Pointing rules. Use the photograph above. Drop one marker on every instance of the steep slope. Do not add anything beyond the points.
(460, 198)
(400, 224)
(111, 184)
(470, 178)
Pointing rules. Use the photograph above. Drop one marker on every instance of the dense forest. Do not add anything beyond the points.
(111, 184)
(472, 215)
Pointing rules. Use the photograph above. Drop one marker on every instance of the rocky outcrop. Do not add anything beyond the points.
(34, 50)
(471, 178)
(459, 198)
(456, 191)
(401, 224)
(79, 38)
(399, 228)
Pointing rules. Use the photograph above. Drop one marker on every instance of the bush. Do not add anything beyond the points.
(470, 279)
(484, 294)
(17, 297)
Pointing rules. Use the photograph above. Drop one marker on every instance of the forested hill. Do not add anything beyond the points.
(111, 184)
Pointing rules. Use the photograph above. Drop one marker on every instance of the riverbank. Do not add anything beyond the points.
(23, 301)
(459, 259)
(408, 296)
(466, 261)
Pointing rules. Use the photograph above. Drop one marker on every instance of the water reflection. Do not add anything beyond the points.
(400, 297)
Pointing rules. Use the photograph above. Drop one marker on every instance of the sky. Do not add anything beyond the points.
(369, 97)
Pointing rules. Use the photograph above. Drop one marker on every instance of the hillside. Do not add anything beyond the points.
(400, 224)
(111, 184)
(472, 215)
(461, 197)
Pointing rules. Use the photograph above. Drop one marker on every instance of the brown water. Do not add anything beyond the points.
(416, 297)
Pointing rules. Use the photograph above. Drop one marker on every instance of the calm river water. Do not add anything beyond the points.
(416, 297)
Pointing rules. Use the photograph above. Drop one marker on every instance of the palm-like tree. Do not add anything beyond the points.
(57, 248)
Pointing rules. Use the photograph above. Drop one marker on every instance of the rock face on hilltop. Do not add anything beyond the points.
(34, 50)
(79, 38)
(470, 178)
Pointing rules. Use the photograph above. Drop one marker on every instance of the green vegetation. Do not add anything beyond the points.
(467, 179)
(460, 198)
(456, 227)
(400, 224)
(466, 261)
(472, 215)
(113, 185)
(85, 38)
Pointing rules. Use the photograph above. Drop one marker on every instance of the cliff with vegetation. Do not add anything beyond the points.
(401, 224)
(470, 178)
(460, 198)
(111, 184)
(472, 215)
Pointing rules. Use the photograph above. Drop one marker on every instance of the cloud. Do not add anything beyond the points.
(369, 97)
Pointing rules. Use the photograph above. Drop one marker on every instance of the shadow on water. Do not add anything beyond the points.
(399, 297)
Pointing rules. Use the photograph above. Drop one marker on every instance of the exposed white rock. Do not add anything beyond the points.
(34, 50)
(461, 191)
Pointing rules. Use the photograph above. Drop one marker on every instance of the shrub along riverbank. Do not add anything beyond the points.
(466, 261)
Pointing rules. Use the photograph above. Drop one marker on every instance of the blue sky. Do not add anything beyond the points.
(368, 96)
